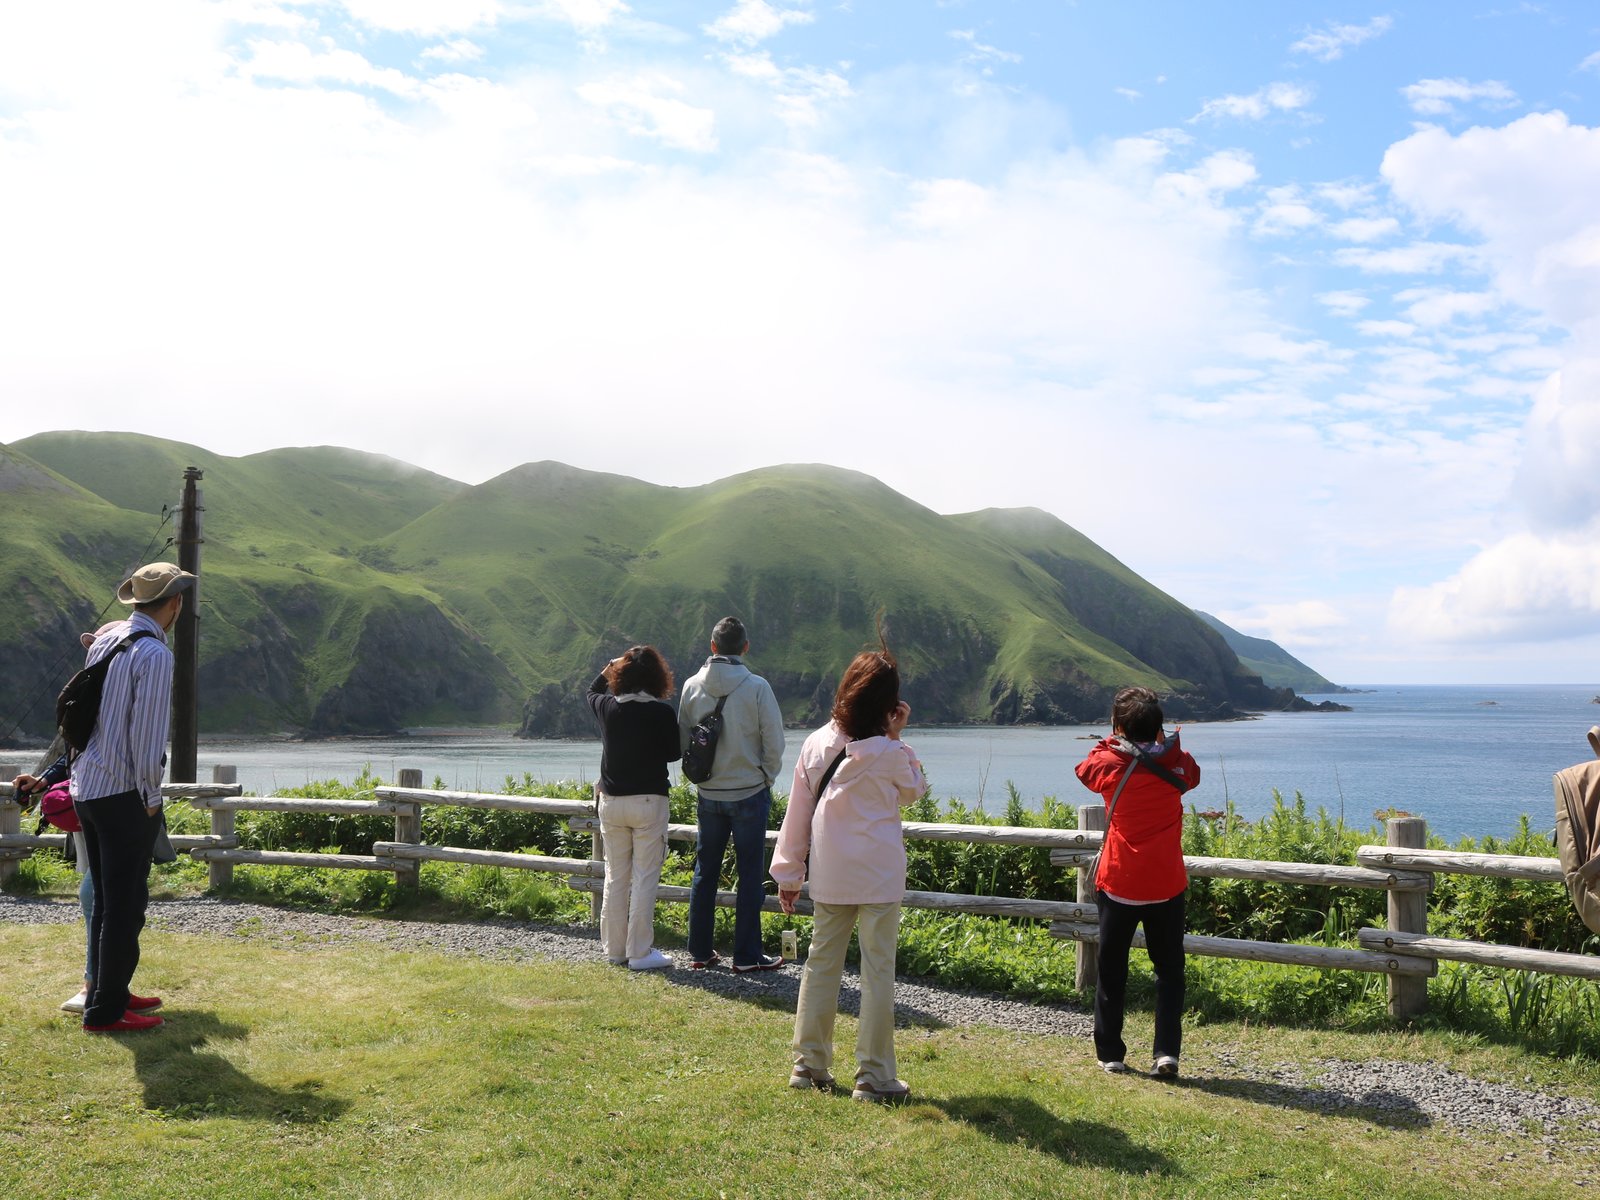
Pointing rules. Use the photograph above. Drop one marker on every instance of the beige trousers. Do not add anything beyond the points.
(635, 833)
(878, 935)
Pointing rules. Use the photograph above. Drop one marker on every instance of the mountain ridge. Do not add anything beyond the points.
(345, 592)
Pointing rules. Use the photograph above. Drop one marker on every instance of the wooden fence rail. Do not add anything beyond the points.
(1404, 869)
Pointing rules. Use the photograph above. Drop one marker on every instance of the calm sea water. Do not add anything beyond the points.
(1469, 759)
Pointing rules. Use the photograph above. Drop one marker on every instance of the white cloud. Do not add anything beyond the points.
(1364, 229)
(1343, 303)
(980, 53)
(1128, 93)
(1308, 623)
(1386, 329)
(1277, 219)
(1438, 97)
(1592, 63)
(1275, 97)
(1347, 194)
(1419, 258)
(294, 62)
(1525, 587)
(430, 18)
(751, 21)
(585, 15)
(1440, 306)
(1524, 189)
(799, 92)
(648, 105)
(1329, 43)
(455, 51)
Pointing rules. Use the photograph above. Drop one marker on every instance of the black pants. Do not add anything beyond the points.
(1163, 936)
(119, 835)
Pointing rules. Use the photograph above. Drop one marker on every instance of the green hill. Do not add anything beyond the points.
(1271, 661)
(346, 592)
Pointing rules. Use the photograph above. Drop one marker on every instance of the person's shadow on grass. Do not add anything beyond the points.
(182, 1079)
(1017, 1120)
(1388, 1109)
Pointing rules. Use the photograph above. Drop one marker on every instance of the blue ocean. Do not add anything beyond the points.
(1469, 759)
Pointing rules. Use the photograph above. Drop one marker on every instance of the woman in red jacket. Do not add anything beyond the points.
(1141, 877)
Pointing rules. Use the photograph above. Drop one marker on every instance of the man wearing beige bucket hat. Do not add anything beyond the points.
(116, 789)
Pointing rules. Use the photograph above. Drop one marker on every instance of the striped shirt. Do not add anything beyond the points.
(127, 750)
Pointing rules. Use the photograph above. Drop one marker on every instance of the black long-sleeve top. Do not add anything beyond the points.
(638, 738)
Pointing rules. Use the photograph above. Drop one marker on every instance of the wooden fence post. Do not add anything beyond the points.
(408, 828)
(1090, 816)
(224, 823)
(10, 822)
(1408, 913)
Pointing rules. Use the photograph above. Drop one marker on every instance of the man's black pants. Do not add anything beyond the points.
(1163, 937)
(120, 836)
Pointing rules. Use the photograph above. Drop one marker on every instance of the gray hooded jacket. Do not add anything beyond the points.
(750, 750)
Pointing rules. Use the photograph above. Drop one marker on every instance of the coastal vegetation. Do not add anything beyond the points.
(350, 593)
(1549, 1015)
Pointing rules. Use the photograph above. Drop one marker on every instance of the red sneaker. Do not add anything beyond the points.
(130, 1022)
(143, 1004)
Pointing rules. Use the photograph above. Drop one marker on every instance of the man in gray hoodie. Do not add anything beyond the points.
(735, 800)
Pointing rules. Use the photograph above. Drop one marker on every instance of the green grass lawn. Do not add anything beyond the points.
(353, 1070)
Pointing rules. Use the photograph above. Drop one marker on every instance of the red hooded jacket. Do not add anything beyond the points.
(1142, 858)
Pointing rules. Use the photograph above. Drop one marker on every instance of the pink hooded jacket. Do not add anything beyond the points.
(851, 835)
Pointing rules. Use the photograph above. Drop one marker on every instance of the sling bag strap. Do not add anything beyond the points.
(827, 776)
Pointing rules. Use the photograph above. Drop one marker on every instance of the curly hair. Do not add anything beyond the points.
(640, 669)
(868, 694)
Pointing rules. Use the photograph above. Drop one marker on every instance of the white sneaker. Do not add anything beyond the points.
(653, 961)
(1166, 1067)
(78, 1003)
(1114, 1067)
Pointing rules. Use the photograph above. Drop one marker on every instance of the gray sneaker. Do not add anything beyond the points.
(804, 1077)
(1114, 1067)
(896, 1092)
(1166, 1067)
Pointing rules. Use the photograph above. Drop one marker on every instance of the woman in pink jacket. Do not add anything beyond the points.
(852, 779)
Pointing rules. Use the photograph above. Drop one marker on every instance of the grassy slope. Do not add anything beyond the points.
(319, 560)
(413, 1074)
(558, 567)
(286, 589)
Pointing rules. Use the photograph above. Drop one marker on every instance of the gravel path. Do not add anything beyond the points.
(1388, 1092)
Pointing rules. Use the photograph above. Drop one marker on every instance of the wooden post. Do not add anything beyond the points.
(597, 853)
(10, 822)
(224, 823)
(408, 828)
(1090, 816)
(1408, 913)
(186, 639)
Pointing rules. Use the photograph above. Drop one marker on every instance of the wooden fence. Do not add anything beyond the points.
(1403, 868)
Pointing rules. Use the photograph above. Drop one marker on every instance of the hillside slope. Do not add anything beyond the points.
(351, 593)
(1271, 661)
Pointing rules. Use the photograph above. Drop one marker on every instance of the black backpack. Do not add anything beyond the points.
(78, 705)
(700, 755)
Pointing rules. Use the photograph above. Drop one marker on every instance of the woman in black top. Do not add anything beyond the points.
(639, 737)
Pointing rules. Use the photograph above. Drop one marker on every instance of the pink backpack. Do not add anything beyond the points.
(55, 806)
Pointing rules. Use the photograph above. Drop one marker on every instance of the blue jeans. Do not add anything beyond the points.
(86, 902)
(745, 821)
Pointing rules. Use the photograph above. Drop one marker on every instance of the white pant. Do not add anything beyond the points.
(635, 833)
(878, 935)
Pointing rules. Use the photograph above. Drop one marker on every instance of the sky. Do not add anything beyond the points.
(1294, 308)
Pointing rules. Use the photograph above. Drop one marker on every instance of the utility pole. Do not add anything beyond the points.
(186, 639)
